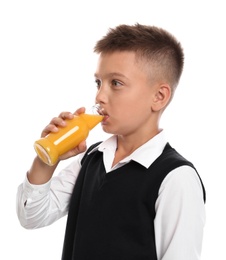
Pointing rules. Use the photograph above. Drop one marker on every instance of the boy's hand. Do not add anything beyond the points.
(59, 121)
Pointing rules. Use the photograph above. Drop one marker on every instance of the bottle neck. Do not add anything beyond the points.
(91, 120)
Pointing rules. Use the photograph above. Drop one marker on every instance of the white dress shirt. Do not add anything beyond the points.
(180, 210)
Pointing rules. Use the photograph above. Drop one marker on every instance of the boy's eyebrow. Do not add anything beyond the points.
(113, 74)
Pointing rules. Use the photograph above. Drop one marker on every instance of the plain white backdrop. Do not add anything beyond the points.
(47, 66)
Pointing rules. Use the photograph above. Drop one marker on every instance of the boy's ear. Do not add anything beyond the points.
(162, 97)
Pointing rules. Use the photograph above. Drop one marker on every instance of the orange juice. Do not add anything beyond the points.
(53, 145)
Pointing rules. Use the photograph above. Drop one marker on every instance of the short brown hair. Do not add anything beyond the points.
(154, 45)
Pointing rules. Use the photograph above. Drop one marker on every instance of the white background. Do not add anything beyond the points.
(47, 65)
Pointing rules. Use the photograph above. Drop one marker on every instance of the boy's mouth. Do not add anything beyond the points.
(103, 113)
(105, 118)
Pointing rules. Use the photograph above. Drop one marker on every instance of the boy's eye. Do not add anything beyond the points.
(116, 83)
(98, 83)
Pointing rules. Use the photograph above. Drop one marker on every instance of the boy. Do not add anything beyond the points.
(132, 196)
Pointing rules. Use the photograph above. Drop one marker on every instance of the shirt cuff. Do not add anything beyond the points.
(32, 191)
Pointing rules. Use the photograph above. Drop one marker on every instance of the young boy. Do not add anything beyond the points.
(132, 196)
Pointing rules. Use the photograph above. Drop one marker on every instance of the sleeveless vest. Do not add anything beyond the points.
(111, 216)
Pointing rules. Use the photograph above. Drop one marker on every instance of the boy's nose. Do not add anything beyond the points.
(101, 96)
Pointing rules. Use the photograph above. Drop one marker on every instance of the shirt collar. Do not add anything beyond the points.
(145, 155)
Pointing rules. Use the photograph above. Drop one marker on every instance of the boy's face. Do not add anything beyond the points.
(125, 94)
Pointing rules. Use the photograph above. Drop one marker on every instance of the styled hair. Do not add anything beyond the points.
(160, 50)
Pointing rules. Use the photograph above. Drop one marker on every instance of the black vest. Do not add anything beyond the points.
(111, 216)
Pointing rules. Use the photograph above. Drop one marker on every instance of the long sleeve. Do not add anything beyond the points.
(41, 205)
(180, 216)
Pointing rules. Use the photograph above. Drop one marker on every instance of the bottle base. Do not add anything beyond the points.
(47, 157)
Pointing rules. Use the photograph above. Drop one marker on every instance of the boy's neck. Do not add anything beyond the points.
(126, 145)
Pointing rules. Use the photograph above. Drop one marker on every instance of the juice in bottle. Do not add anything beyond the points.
(77, 129)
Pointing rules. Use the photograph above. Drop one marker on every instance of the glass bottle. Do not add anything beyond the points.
(50, 147)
